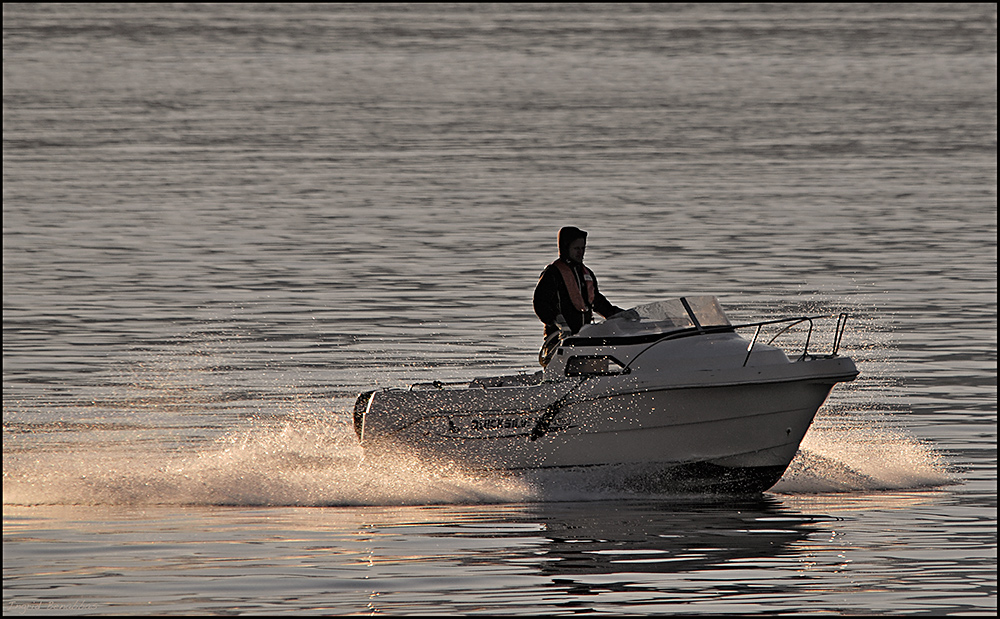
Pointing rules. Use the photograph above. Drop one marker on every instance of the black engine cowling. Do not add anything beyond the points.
(360, 406)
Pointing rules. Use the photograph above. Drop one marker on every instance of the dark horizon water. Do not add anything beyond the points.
(222, 222)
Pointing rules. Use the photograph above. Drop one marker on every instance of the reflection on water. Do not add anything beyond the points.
(683, 535)
(678, 554)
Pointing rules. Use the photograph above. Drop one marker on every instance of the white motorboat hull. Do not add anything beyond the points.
(693, 415)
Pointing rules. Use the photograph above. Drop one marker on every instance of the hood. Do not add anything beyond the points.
(566, 236)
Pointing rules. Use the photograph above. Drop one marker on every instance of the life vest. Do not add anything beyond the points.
(575, 294)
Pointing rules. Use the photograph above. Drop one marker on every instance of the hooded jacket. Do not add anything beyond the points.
(564, 284)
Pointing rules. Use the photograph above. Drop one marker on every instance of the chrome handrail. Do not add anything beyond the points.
(838, 333)
(805, 349)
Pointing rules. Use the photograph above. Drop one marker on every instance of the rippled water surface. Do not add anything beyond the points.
(222, 222)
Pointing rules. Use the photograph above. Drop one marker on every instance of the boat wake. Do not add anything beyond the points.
(300, 463)
(862, 458)
(305, 462)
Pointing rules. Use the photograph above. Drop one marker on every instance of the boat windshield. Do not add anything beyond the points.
(661, 317)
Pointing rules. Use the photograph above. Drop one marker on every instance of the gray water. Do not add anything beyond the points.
(222, 222)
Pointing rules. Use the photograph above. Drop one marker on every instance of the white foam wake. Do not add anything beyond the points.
(311, 462)
(862, 457)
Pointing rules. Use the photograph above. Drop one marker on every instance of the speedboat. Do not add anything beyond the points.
(664, 397)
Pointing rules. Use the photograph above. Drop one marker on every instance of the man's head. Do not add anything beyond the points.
(572, 243)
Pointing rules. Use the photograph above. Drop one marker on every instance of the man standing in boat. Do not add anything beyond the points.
(567, 295)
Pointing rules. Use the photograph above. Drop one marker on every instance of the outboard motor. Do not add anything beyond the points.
(360, 406)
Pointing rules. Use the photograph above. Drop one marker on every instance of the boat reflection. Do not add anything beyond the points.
(660, 536)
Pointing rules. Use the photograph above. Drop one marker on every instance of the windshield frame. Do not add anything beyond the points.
(694, 313)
